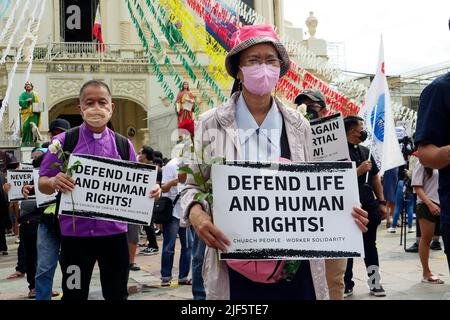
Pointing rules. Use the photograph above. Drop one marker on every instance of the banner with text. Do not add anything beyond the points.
(42, 199)
(329, 140)
(109, 189)
(18, 179)
(287, 211)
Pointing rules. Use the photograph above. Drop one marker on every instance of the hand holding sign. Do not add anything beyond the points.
(27, 191)
(206, 230)
(7, 187)
(361, 218)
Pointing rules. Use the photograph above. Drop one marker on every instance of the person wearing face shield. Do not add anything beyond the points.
(372, 200)
(91, 240)
(252, 126)
(315, 102)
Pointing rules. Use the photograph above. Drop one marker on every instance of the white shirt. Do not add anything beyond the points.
(259, 143)
(170, 172)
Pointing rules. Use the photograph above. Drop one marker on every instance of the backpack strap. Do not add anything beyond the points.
(71, 139)
(284, 143)
(122, 146)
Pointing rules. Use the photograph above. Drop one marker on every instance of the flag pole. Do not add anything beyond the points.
(371, 141)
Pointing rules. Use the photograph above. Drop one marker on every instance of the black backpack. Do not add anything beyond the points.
(73, 134)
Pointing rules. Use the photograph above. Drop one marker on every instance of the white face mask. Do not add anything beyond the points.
(96, 117)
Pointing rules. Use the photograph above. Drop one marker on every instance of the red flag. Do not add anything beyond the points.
(97, 30)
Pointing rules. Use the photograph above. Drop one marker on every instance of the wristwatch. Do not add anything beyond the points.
(382, 202)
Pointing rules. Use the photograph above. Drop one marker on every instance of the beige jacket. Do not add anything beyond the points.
(217, 132)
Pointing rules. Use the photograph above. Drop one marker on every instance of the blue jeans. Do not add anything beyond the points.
(198, 253)
(399, 204)
(48, 254)
(170, 231)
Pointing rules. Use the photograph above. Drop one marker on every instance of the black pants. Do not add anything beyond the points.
(370, 246)
(28, 240)
(151, 236)
(78, 257)
(3, 246)
(445, 233)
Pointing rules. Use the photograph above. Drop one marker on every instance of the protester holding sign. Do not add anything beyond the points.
(376, 207)
(91, 240)
(316, 108)
(254, 126)
(49, 237)
(29, 220)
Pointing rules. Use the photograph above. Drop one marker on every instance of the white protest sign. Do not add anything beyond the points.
(287, 211)
(42, 199)
(110, 189)
(26, 166)
(329, 140)
(18, 179)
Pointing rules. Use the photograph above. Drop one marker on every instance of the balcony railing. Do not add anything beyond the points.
(89, 51)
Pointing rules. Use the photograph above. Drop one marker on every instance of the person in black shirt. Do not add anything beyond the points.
(147, 155)
(372, 200)
(433, 140)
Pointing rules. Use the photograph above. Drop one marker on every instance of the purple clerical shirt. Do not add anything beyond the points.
(89, 143)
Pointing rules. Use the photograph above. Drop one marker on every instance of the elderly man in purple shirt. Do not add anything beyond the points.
(92, 240)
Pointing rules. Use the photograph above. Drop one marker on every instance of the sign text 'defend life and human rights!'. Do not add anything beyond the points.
(110, 189)
(287, 211)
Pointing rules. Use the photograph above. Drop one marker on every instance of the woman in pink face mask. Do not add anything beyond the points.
(255, 120)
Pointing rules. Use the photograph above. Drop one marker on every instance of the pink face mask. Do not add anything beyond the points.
(260, 79)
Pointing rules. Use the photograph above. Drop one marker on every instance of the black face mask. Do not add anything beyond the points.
(363, 135)
(312, 114)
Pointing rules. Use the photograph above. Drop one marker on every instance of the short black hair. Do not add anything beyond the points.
(148, 152)
(158, 161)
(158, 154)
(351, 122)
(95, 83)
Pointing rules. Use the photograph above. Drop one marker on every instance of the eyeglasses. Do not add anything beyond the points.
(257, 62)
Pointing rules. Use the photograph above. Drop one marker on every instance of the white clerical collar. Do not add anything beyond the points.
(97, 135)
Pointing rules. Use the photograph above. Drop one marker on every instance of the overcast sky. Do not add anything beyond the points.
(415, 33)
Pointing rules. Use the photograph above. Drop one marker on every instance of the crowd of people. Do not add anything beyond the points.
(257, 61)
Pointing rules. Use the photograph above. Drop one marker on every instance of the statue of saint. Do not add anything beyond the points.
(311, 23)
(185, 104)
(28, 116)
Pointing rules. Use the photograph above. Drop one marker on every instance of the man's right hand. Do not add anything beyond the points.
(364, 167)
(62, 182)
(206, 230)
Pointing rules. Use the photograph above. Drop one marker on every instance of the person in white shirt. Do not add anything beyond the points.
(171, 180)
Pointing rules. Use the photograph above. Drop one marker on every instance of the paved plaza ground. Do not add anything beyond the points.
(400, 275)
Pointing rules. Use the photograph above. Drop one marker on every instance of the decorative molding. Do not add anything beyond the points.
(134, 89)
(61, 88)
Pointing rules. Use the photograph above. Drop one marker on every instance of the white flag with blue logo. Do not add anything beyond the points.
(379, 120)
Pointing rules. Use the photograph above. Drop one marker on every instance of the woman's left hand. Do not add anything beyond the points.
(361, 218)
(155, 193)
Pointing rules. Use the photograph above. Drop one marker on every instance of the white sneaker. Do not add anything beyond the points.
(411, 230)
(391, 230)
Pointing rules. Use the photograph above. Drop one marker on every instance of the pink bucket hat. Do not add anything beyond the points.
(249, 36)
